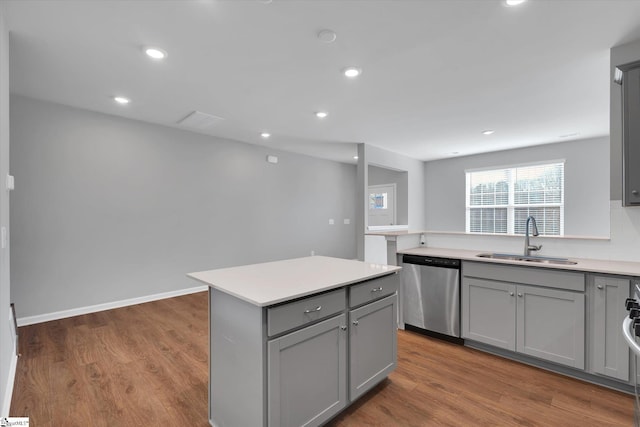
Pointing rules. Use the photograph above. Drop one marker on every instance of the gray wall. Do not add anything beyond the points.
(109, 209)
(6, 327)
(586, 184)
(370, 155)
(415, 180)
(380, 176)
(619, 55)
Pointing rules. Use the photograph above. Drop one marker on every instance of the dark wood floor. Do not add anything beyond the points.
(146, 365)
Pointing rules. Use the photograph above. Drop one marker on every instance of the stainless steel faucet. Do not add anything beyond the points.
(527, 247)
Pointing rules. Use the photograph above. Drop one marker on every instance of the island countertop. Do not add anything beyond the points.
(271, 283)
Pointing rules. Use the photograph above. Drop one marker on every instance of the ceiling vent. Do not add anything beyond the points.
(199, 120)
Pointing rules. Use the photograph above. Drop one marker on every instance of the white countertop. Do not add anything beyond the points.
(623, 268)
(274, 282)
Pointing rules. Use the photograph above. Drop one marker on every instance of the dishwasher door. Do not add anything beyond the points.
(432, 298)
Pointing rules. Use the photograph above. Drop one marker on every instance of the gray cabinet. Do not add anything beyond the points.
(307, 374)
(608, 350)
(372, 344)
(308, 369)
(489, 312)
(541, 321)
(631, 133)
(550, 325)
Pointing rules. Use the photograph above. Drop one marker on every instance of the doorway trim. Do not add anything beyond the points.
(394, 202)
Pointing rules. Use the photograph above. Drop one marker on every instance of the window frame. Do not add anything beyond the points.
(511, 206)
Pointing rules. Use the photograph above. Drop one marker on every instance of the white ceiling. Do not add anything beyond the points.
(435, 72)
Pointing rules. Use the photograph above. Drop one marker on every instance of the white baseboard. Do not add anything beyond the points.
(8, 392)
(30, 320)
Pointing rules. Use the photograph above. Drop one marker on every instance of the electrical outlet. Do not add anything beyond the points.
(331, 221)
(347, 221)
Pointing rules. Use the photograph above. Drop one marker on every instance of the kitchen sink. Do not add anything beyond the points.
(535, 259)
(551, 261)
(502, 256)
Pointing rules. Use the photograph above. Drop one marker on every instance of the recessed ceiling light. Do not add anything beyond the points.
(355, 157)
(488, 132)
(514, 2)
(155, 53)
(352, 72)
(265, 135)
(121, 100)
(321, 114)
(327, 36)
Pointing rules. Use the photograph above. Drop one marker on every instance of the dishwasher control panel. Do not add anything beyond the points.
(431, 261)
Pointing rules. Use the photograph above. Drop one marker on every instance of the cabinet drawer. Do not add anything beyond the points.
(538, 276)
(289, 316)
(372, 290)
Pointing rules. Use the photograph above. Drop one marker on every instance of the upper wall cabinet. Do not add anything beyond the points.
(631, 133)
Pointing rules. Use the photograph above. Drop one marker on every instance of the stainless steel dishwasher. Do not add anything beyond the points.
(431, 295)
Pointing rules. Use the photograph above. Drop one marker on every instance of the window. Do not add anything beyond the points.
(499, 201)
(378, 201)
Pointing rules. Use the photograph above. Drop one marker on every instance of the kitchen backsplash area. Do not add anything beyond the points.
(623, 244)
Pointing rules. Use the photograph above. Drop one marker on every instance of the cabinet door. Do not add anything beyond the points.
(372, 344)
(610, 352)
(631, 136)
(307, 377)
(551, 325)
(489, 312)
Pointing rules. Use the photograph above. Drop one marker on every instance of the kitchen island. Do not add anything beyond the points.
(295, 342)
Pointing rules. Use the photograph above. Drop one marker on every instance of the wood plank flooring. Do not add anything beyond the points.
(438, 383)
(147, 365)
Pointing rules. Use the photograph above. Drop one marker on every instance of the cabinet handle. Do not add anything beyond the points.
(634, 192)
(343, 327)
(312, 310)
(355, 322)
(520, 294)
(511, 293)
(378, 289)
(600, 287)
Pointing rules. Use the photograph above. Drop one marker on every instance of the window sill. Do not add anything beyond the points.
(519, 236)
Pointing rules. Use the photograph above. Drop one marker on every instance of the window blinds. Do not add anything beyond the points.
(500, 200)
